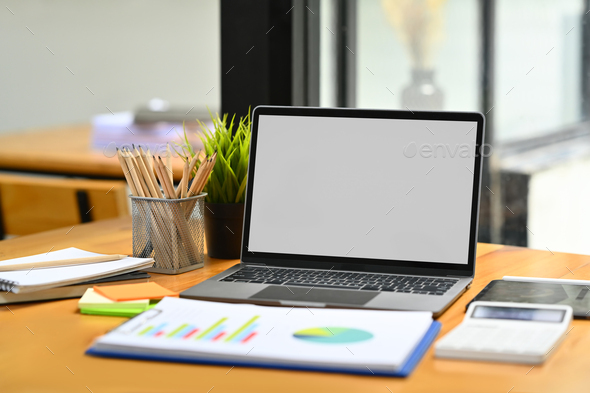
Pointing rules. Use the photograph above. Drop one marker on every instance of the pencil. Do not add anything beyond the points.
(148, 154)
(167, 180)
(140, 173)
(126, 173)
(169, 163)
(184, 181)
(150, 169)
(161, 177)
(176, 222)
(61, 262)
(145, 174)
(134, 174)
(197, 178)
(193, 163)
(203, 176)
(191, 167)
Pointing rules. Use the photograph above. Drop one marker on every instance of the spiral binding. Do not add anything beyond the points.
(7, 285)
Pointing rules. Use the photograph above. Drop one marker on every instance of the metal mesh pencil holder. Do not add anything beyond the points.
(172, 231)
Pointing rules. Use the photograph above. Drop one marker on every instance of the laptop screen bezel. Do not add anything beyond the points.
(364, 264)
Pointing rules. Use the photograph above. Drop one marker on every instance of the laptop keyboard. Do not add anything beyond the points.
(343, 280)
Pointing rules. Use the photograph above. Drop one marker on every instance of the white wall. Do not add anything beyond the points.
(125, 52)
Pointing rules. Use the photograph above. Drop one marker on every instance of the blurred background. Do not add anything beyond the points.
(125, 52)
(80, 78)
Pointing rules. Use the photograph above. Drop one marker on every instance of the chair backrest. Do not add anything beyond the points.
(30, 204)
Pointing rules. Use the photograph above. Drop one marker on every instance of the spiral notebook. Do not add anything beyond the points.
(351, 341)
(30, 280)
(74, 290)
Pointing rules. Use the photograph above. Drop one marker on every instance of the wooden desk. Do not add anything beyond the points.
(62, 150)
(37, 362)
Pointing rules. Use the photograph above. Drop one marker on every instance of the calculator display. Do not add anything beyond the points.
(519, 314)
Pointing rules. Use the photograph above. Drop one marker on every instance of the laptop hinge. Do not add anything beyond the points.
(453, 276)
(253, 263)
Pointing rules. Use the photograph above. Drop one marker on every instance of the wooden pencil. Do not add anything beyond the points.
(167, 180)
(148, 154)
(161, 177)
(165, 228)
(153, 192)
(193, 162)
(150, 170)
(191, 167)
(184, 182)
(210, 170)
(179, 230)
(169, 163)
(126, 173)
(204, 176)
(61, 262)
(197, 178)
(134, 174)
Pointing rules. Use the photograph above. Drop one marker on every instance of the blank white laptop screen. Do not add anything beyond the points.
(364, 188)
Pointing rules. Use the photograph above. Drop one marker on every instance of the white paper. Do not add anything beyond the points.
(394, 334)
(56, 276)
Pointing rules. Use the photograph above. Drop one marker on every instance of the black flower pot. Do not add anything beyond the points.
(223, 229)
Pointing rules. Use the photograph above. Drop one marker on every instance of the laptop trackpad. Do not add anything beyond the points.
(315, 295)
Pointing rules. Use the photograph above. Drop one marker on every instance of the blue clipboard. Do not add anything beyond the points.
(403, 371)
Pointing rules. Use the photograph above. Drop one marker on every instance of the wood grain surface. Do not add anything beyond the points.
(62, 150)
(32, 204)
(42, 344)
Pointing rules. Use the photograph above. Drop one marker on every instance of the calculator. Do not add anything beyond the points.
(507, 332)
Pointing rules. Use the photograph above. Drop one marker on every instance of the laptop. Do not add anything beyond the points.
(355, 208)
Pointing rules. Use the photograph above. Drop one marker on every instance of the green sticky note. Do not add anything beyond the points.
(115, 312)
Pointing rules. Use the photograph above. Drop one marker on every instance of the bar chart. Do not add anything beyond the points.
(219, 331)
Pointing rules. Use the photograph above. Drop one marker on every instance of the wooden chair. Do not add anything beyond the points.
(30, 204)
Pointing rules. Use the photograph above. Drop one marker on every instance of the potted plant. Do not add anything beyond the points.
(226, 188)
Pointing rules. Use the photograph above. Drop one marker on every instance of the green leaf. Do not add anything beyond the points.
(240, 193)
(230, 138)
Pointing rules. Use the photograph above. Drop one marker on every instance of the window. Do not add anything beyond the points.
(419, 55)
(538, 67)
(520, 62)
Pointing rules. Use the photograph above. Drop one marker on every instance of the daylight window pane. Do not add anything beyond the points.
(538, 67)
(418, 54)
